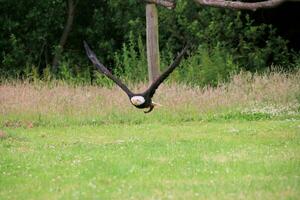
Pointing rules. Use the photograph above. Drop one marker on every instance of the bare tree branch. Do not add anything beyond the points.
(170, 4)
(241, 5)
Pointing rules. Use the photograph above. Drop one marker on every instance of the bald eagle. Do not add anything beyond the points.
(139, 100)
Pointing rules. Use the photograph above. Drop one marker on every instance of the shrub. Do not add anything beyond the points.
(206, 67)
(131, 62)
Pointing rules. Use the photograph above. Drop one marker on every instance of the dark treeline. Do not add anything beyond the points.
(224, 40)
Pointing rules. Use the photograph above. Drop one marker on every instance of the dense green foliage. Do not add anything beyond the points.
(224, 41)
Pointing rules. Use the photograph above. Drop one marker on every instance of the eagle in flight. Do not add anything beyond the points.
(139, 100)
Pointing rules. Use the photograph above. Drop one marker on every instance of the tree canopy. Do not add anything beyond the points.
(31, 33)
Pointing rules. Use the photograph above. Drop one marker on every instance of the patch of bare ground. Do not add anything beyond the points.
(2, 134)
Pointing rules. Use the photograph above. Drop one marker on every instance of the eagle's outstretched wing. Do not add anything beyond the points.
(104, 70)
(151, 90)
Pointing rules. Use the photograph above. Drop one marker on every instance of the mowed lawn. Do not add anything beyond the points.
(192, 160)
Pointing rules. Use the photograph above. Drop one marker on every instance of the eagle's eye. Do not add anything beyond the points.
(137, 100)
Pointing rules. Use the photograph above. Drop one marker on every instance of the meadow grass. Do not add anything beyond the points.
(246, 96)
(240, 140)
(191, 160)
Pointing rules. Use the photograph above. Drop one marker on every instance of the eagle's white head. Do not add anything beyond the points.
(137, 100)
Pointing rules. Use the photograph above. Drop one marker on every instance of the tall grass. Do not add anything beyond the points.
(247, 94)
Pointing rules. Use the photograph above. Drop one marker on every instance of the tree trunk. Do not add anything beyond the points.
(152, 42)
(66, 32)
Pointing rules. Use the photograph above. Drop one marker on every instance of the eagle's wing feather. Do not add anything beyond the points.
(104, 70)
(151, 90)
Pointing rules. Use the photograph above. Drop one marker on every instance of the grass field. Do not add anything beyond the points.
(237, 141)
(193, 160)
